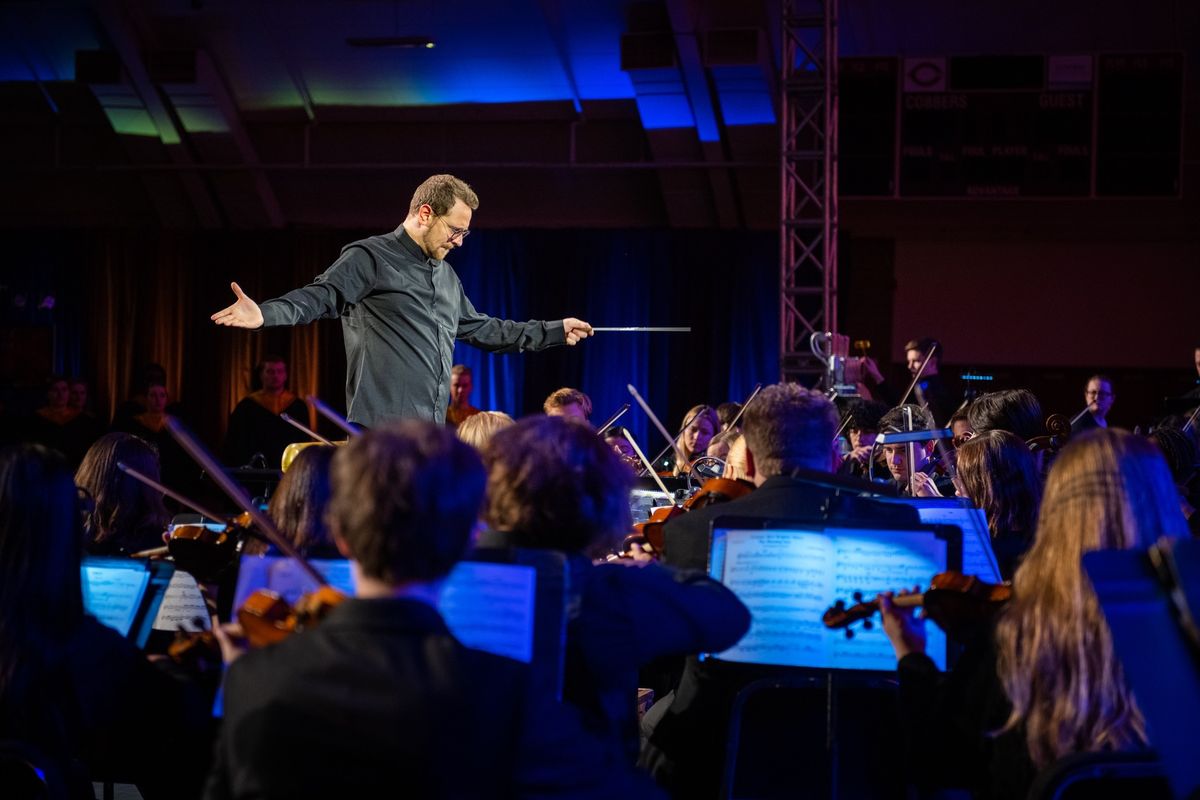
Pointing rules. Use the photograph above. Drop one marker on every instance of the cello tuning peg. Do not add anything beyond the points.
(857, 597)
(868, 625)
(849, 633)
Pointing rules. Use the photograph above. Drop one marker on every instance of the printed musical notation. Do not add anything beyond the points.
(112, 593)
(486, 606)
(183, 606)
(788, 578)
(490, 607)
(978, 558)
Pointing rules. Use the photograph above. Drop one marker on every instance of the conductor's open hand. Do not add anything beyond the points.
(574, 330)
(245, 313)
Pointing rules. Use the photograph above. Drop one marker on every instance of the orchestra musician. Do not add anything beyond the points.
(402, 307)
(896, 455)
(702, 423)
(788, 441)
(126, 516)
(255, 426)
(569, 403)
(1047, 683)
(380, 698)
(556, 485)
(77, 697)
(461, 385)
(1099, 397)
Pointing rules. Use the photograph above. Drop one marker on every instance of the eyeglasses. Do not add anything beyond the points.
(456, 233)
(1094, 393)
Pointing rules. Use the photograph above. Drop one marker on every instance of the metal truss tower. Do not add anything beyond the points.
(808, 217)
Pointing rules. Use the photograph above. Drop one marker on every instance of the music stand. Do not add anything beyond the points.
(1162, 668)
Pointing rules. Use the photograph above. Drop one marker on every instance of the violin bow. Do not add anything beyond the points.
(672, 440)
(307, 431)
(334, 417)
(238, 495)
(649, 467)
(920, 372)
(609, 423)
(1191, 420)
(176, 496)
(746, 404)
(1086, 409)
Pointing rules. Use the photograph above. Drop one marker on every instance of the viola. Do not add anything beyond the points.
(265, 616)
(954, 601)
(712, 492)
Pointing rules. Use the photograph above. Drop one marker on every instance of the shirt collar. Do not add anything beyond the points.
(412, 248)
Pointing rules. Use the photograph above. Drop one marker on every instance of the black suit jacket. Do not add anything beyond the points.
(686, 538)
(381, 700)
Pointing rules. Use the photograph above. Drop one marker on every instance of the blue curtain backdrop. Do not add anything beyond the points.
(724, 285)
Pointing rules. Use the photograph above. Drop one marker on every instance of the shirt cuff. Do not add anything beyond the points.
(555, 333)
(272, 314)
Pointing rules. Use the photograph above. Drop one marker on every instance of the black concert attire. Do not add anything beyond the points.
(101, 711)
(381, 700)
(685, 731)
(255, 427)
(70, 434)
(178, 469)
(1010, 547)
(624, 617)
(686, 538)
(1085, 423)
(947, 719)
(401, 312)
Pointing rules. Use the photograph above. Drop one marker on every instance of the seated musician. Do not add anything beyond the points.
(727, 412)
(861, 429)
(1181, 455)
(1099, 397)
(960, 426)
(896, 455)
(700, 424)
(569, 403)
(461, 384)
(788, 429)
(1014, 410)
(997, 473)
(380, 699)
(788, 446)
(556, 486)
(1046, 683)
(127, 516)
(299, 504)
(255, 427)
(477, 429)
(76, 695)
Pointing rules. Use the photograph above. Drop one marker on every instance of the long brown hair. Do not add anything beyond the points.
(1000, 476)
(1109, 490)
(126, 509)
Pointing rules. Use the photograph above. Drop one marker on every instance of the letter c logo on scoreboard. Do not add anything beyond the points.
(925, 74)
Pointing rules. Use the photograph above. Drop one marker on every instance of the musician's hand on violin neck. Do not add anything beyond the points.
(904, 629)
(576, 330)
(244, 313)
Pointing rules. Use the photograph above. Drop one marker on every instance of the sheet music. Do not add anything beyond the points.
(788, 578)
(978, 558)
(183, 606)
(285, 576)
(112, 593)
(486, 606)
(490, 607)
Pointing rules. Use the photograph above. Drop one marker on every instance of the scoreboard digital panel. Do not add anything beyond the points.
(1011, 126)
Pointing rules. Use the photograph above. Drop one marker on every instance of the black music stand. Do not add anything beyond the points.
(1161, 663)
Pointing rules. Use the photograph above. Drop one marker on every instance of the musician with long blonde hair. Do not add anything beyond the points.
(1047, 683)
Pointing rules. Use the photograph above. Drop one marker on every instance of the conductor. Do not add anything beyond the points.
(402, 307)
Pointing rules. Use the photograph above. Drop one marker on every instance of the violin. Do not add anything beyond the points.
(265, 616)
(714, 491)
(954, 601)
(196, 549)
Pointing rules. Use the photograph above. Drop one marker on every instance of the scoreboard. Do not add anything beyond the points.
(1011, 126)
